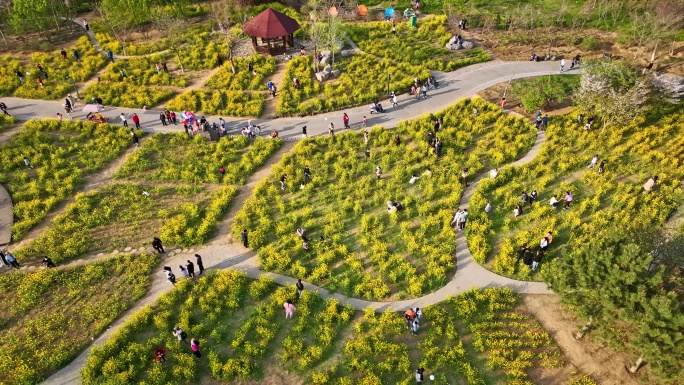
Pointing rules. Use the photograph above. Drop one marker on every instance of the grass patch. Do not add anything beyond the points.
(226, 103)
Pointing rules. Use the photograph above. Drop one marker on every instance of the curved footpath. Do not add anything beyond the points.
(6, 216)
(222, 253)
(461, 83)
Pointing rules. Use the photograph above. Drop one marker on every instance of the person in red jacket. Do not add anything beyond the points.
(159, 355)
(136, 120)
(345, 120)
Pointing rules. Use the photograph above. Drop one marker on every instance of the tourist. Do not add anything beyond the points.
(20, 75)
(457, 219)
(464, 217)
(524, 197)
(180, 334)
(136, 141)
(418, 313)
(289, 309)
(601, 166)
(47, 262)
(517, 211)
(378, 172)
(200, 265)
(27, 163)
(464, 177)
(219, 60)
(85, 25)
(301, 233)
(110, 55)
(244, 238)
(222, 171)
(170, 277)
(124, 120)
(159, 354)
(533, 196)
(562, 64)
(579, 119)
(413, 179)
(545, 122)
(305, 245)
(183, 271)
(307, 173)
(194, 345)
(544, 244)
(40, 81)
(488, 207)
(521, 252)
(424, 91)
(593, 162)
(397, 140)
(136, 120)
(474, 112)
(162, 118)
(527, 258)
(554, 201)
(300, 288)
(269, 84)
(166, 69)
(304, 132)
(493, 173)
(394, 99)
(650, 183)
(568, 200)
(414, 328)
(365, 139)
(537, 258)
(273, 91)
(345, 120)
(63, 52)
(549, 237)
(191, 269)
(3, 108)
(282, 181)
(408, 316)
(538, 122)
(331, 129)
(157, 245)
(420, 375)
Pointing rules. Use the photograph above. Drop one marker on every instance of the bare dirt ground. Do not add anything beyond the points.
(601, 363)
(493, 94)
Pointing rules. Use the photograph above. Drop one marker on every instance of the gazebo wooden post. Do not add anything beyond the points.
(284, 43)
(254, 43)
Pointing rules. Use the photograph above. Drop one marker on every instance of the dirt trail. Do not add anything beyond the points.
(7, 135)
(600, 362)
(277, 79)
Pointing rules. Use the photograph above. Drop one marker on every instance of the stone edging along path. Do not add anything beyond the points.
(223, 253)
(6, 216)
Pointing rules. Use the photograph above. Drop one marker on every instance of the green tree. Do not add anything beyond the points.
(36, 15)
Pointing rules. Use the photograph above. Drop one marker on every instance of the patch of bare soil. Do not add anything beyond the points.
(599, 362)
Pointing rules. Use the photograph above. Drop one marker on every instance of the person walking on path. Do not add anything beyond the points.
(184, 271)
(4, 260)
(464, 217)
(172, 115)
(124, 120)
(331, 129)
(568, 200)
(170, 277)
(300, 288)
(110, 55)
(244, 238)
(304, 132)
(194, 345)
(136, 120)
(424, 90)
(157, 245)
(408, 317)
(394, 100)
(136, 140)
(273, 91)
(12, 260)
(162, 118)
(3, 107)
(159, 355)
(289, 309)
(85, 24)
(545, 122)
(464, 176)
(200, 265)
(345, 120)
(562, 64)
(191, 269)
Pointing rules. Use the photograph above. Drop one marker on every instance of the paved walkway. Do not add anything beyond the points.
(453, 86)
(6, 216)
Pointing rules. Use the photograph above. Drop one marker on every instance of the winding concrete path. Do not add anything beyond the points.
(6, 216)
(455, 85)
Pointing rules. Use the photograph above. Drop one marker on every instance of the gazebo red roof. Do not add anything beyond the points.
(270, 24)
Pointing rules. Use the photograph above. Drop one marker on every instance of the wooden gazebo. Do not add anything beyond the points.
(274, 30)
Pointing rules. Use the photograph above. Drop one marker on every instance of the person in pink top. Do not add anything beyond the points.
(568, 200)
(289, 309)
(194, 345)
